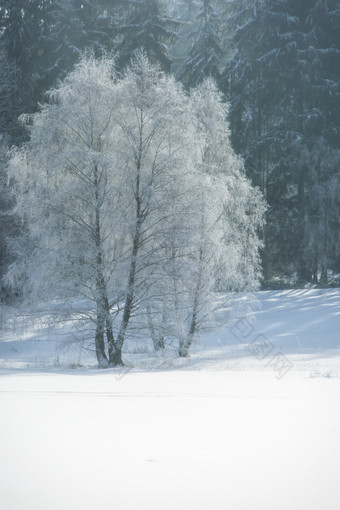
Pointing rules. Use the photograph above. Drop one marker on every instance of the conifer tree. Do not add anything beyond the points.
(283, 84)
(204, 59)
(147, 25)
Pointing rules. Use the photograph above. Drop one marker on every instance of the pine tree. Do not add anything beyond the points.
(205, 55)
(43, 40)
(9, 100)
(8, 221)
(148, 26)
(21, 31)
(74, 26)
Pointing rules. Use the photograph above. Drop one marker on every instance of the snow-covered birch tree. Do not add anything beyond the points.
(228, 213)
(95, 186)
(155, 134)
(217, 246)
(66, 195)
(132, 199)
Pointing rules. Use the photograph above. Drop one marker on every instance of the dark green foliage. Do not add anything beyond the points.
(9, 99)
(76, 25)
(21, 31)
(206, 53)
(9, 227)
(283, 82)
(43, 40)
(147, 25)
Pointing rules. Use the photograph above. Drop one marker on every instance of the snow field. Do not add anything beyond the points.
(184, 440)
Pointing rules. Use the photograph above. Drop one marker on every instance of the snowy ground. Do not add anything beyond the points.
(250, 422)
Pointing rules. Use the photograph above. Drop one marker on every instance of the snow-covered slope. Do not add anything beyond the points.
(300, 319)
(287, 330)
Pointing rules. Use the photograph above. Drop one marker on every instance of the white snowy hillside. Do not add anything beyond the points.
(249, 422)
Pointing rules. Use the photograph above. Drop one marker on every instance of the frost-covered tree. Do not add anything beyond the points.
(124, 190)
(243, 206)
(95, 184)
(154, 132)
(65, 195)
(225, 251)
(217, 248)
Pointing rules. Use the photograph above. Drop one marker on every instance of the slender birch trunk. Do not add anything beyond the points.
(115, 355)
(185, 344)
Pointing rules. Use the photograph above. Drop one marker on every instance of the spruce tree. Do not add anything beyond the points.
(74, 26)
(148, 26)
(9, 100)
(205, 55)
(22, 28)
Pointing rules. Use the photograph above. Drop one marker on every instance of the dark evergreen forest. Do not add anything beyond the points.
(275, 62)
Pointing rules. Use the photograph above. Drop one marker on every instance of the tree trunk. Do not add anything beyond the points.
(128, 301)
(113, 359)
(99, 343)
(183, 351)
(185, 346)
(157, 339)
(115, 356)
(193, 325)
(104, 321)
(104, 307)
(324, 278)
